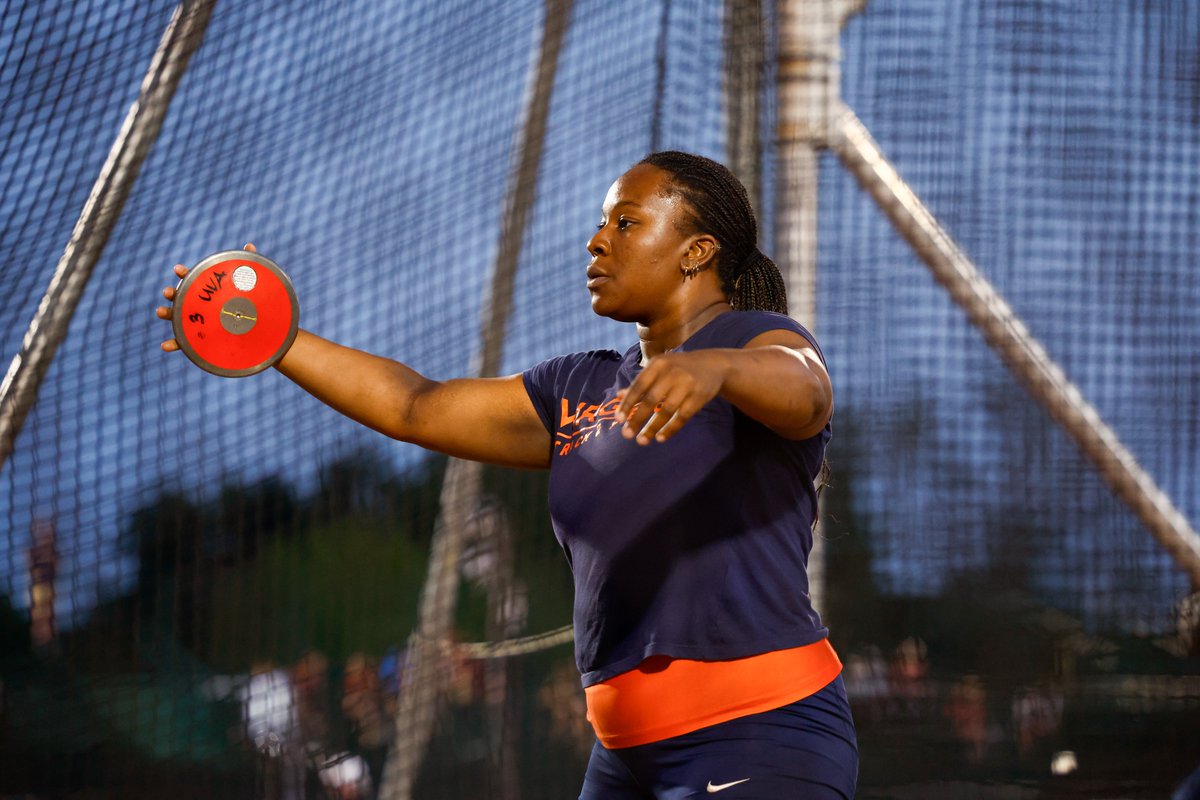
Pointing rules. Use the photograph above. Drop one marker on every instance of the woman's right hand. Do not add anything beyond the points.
(167, 312)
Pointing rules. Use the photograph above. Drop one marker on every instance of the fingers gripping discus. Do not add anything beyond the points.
(235, 314)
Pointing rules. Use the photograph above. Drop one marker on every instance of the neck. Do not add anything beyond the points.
(659, 336)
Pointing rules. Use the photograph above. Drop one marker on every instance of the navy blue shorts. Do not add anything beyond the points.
(803, 751)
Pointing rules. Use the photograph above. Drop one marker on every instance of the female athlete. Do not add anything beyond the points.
(681, 490)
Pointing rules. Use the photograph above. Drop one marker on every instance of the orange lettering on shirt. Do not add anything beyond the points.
(609, 409)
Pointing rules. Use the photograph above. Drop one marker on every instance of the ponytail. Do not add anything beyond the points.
(757, 286)
(720, 206)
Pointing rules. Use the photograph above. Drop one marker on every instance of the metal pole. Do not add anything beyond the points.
(136, 137)
(745, 46)
(461, 487)
(1016, 346)
(809, 86)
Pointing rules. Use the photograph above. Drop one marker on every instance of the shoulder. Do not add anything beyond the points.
(558, 368)
(571, 360)
(738, 328)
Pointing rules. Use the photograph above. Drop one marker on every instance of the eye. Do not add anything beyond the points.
(623, 223)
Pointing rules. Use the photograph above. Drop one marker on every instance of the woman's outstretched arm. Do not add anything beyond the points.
(482, 419)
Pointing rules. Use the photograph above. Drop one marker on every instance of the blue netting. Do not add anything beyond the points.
(205, 530)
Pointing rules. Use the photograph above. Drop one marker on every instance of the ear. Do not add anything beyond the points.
(702, 250)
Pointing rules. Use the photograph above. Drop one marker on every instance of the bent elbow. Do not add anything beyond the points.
(814, 411)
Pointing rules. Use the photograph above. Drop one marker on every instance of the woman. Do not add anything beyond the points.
(681, 491)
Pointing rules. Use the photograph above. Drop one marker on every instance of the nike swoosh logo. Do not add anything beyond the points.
(720, 787)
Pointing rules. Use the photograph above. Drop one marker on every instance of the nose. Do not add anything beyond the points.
(598, 244)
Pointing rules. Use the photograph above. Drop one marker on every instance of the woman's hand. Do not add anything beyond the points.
(167, 312)
(669, 392)
(777, 379)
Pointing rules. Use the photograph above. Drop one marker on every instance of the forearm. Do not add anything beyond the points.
(781, 387)
(372, 390)
(445, 416)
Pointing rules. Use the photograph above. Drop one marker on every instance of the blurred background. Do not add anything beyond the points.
(208, 587)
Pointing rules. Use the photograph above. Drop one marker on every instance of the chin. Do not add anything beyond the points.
(599, 307)
(602, 309)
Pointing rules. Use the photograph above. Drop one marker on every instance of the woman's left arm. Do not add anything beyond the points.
(776, 379)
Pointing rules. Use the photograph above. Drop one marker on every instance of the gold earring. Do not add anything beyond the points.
(690, 271)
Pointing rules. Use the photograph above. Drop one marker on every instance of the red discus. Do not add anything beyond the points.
(235, 314)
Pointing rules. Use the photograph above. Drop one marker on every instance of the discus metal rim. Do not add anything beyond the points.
(194, 274)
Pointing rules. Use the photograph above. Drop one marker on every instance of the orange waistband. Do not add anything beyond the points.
(664, 697)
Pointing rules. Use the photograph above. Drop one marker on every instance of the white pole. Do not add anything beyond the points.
(809, 87)
(1024, 356)
(100, 213)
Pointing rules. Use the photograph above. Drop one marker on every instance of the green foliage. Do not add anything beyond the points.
(261, 572)
(349, 585)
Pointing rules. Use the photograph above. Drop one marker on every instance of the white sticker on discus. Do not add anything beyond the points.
(245, 278)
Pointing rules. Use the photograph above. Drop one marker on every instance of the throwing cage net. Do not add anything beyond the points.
(216, 587)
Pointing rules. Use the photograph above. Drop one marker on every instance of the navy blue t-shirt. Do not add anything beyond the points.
(696, 547)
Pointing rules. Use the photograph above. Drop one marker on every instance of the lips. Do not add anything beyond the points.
(595, 277)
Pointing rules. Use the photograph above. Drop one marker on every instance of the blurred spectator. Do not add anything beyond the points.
(391, 676)
(562, 697)
(908, 676)
(867, 682)
(310, 677)
(465, 677)
(967, 711)
(363, 708)
(1189, 625)
(269, 713)
(344, 777)
(268, 707)
(1037, 715)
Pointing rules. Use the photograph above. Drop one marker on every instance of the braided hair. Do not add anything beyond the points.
(720, 206)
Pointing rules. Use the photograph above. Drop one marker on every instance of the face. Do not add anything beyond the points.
(638, 248)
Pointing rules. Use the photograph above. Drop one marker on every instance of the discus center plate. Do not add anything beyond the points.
(238, 315)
